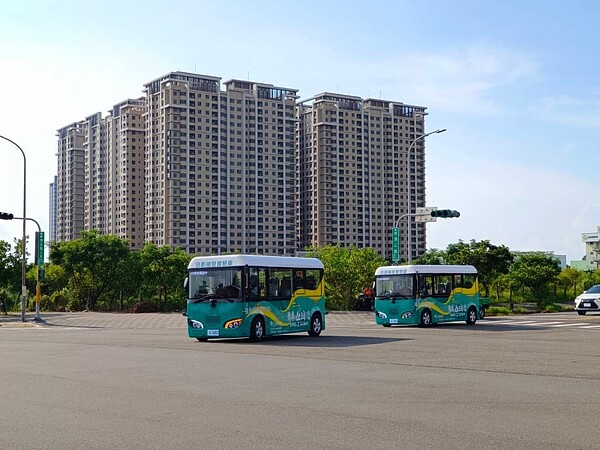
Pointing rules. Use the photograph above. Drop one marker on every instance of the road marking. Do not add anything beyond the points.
(571, 324)
(591, 326)
(544, 323)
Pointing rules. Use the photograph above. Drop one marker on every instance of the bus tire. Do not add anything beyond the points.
(202, 339)
(425, 318)
(257, 329)
(316, 325)
(482, 312)
(386, 325)
(581, 313)
(471, 316)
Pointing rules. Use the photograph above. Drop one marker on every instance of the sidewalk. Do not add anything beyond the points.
(14, 320)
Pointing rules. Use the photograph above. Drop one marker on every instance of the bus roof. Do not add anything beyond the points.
(424, 269)
(291, 262)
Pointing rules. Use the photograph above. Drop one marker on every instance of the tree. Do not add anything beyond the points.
(91, 263)
(535, 271)
(569, 278)
(490, 260)
(432, 257)
(164, 270)
(347, 272)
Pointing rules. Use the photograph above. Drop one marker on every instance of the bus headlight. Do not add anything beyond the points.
(407, 315)
(381, 315)
(196, 324)
(231, 324)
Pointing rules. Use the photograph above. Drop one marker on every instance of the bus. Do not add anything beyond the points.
(254, 296)
(424, 295)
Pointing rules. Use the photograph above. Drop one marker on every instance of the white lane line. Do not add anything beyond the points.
(591, 326)
(571, 324)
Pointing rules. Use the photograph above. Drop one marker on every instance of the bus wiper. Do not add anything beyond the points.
(399, 295)
(386, 295)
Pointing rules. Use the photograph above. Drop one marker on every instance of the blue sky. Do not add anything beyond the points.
(515, 83)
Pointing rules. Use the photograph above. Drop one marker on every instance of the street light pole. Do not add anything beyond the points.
(24, 249)
(409, 209)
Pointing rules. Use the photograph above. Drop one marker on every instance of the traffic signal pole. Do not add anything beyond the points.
(426, 214)
(38, 287)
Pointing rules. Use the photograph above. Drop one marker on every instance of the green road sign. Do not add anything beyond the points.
(395, 244)
(39, 248)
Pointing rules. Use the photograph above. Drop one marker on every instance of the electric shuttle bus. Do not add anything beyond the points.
(254, 296)
(423, 295)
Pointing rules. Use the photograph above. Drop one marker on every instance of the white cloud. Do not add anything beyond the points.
(460, 80)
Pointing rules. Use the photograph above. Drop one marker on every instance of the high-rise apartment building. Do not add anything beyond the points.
(219, 165)
(70, 182)
(355, 176)
(96, 174)
(244, 168)
(125, 130)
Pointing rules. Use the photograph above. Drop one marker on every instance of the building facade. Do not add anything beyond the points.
(70, 182)
(125, 131)
(244, 168)
(219, 165)
(356, 176)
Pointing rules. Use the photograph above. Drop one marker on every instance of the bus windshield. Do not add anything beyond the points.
(218, 282)
(395, 286)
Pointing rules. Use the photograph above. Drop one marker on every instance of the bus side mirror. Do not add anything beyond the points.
(184, 312)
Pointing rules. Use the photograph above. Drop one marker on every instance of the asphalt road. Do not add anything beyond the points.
(104, 381)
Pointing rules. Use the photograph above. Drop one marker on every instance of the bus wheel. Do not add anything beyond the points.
(425, 318)
(257, 329)
(471, 316)
(581, 313)
(482, 312)
(202, 339)
(386, 325)
(315, 325)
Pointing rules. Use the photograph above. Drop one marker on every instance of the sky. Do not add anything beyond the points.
(516, 84)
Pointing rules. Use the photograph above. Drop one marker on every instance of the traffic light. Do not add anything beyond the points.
(6, 216)
(445, 213)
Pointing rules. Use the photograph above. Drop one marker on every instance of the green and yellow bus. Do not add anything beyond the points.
(254, 296)
(423, 295)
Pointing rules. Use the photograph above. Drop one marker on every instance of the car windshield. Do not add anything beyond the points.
(594, 289)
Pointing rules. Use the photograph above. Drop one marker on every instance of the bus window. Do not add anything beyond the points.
(469, 280)
(458, 283)
(425, 284)
(257, 282)
(298, 279)
(313, 278)
(281, 279)
(442, 285)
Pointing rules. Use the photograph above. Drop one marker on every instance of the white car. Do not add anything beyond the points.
(588, 301)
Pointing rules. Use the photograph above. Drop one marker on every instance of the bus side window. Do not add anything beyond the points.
(313, 278)
(469, 280)
(298, 279)
(273, 286)
(285, 289)
(458, 283)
